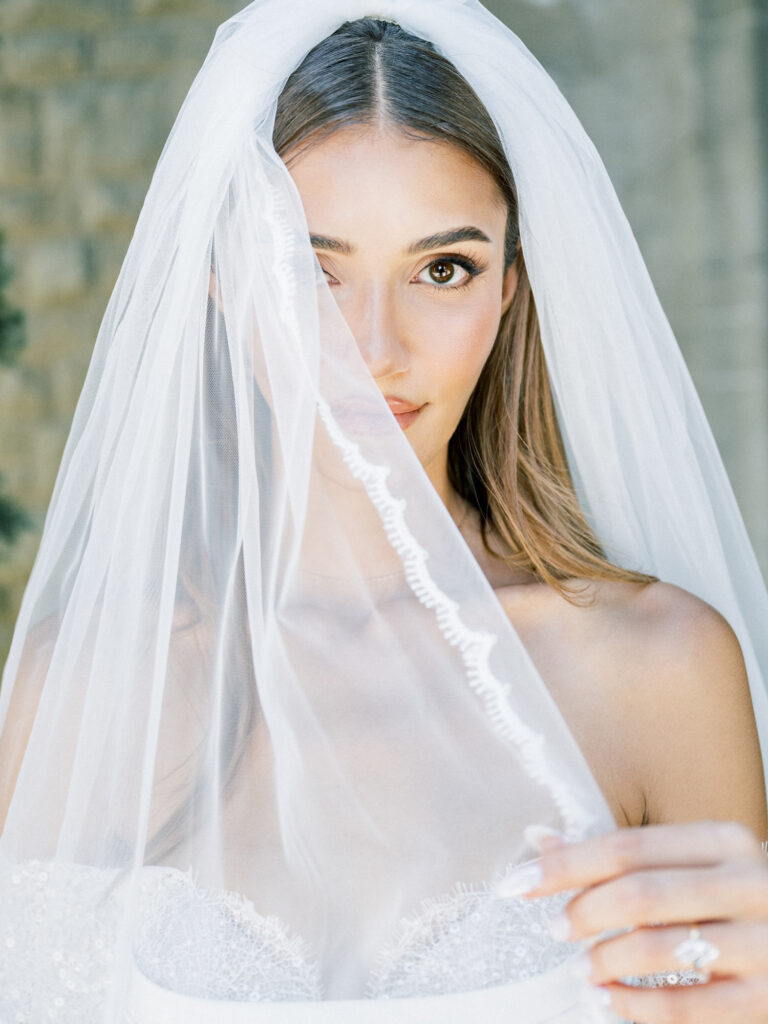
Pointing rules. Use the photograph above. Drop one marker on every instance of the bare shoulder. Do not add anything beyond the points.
(648, 621)
(656, 625)
(652, 680)
(687, 692)
(664, 647)
(635, 639)
(670, 622)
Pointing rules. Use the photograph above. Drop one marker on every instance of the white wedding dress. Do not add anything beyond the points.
(469, 956)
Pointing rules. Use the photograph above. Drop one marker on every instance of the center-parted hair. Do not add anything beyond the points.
(506, 456)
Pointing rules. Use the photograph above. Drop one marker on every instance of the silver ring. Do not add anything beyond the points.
(696, 953)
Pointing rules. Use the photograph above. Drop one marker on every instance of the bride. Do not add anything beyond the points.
(391, 582)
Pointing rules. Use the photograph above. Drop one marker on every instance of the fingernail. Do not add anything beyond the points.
(539, 836)
(520, 880)
(581, 967)
(560, 928)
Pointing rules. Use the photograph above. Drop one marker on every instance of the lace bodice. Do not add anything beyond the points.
(465, 940)
(59, 962)
(468, 939)
(254, 958)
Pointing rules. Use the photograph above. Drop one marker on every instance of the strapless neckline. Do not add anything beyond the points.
(202, 948)
(466, 939)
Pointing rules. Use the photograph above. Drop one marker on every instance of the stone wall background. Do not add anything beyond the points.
(88, 92)
(674, 94)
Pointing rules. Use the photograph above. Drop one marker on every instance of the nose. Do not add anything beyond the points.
(372, 317)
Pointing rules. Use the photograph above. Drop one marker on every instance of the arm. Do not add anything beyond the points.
(694, 728)
(694, 734)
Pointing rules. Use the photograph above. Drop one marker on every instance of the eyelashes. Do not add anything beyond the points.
(472, 267)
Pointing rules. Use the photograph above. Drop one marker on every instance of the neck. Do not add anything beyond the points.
(437, 471)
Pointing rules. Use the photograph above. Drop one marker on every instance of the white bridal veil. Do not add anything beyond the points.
(266, 711)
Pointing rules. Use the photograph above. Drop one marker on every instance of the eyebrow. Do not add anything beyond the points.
(437, 241)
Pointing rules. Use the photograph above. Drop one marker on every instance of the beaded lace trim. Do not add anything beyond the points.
(469, 939)
(213, 944)
(475, 646)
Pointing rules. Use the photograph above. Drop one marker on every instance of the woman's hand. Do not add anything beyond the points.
(711, 874)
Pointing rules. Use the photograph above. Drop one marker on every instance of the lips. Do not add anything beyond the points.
(404, 412)
(399, 405)
(360, 416)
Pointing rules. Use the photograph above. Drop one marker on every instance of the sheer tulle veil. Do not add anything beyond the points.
(254, 649)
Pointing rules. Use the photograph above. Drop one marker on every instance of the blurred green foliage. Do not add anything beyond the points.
(13, 518)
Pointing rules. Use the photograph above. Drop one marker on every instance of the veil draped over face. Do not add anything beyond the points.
(275, 736)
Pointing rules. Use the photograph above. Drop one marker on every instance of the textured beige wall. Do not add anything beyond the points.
(88, 92)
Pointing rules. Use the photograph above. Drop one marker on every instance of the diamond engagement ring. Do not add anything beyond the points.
(695, 952)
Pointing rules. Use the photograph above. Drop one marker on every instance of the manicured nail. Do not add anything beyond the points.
(581, 967)
(560, 928)
(539, 836)
(520, 880)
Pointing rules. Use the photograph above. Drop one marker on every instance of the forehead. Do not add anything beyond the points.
(364, 177)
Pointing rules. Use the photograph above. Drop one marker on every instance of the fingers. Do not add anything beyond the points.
(718, 1002)
(700, 844)
(743, 951)
(638, 892)
(669, 896)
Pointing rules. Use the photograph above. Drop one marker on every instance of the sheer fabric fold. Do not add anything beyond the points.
(260, 695)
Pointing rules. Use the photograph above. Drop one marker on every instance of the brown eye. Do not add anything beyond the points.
(441, 271)
(450, 273)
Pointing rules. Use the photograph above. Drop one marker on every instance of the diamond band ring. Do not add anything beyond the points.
(695, 952)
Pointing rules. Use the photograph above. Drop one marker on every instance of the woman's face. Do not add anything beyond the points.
(411, 237)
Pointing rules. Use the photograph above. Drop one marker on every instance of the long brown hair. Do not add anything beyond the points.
(506, 457)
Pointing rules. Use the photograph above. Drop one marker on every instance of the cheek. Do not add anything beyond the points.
(458, 342)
